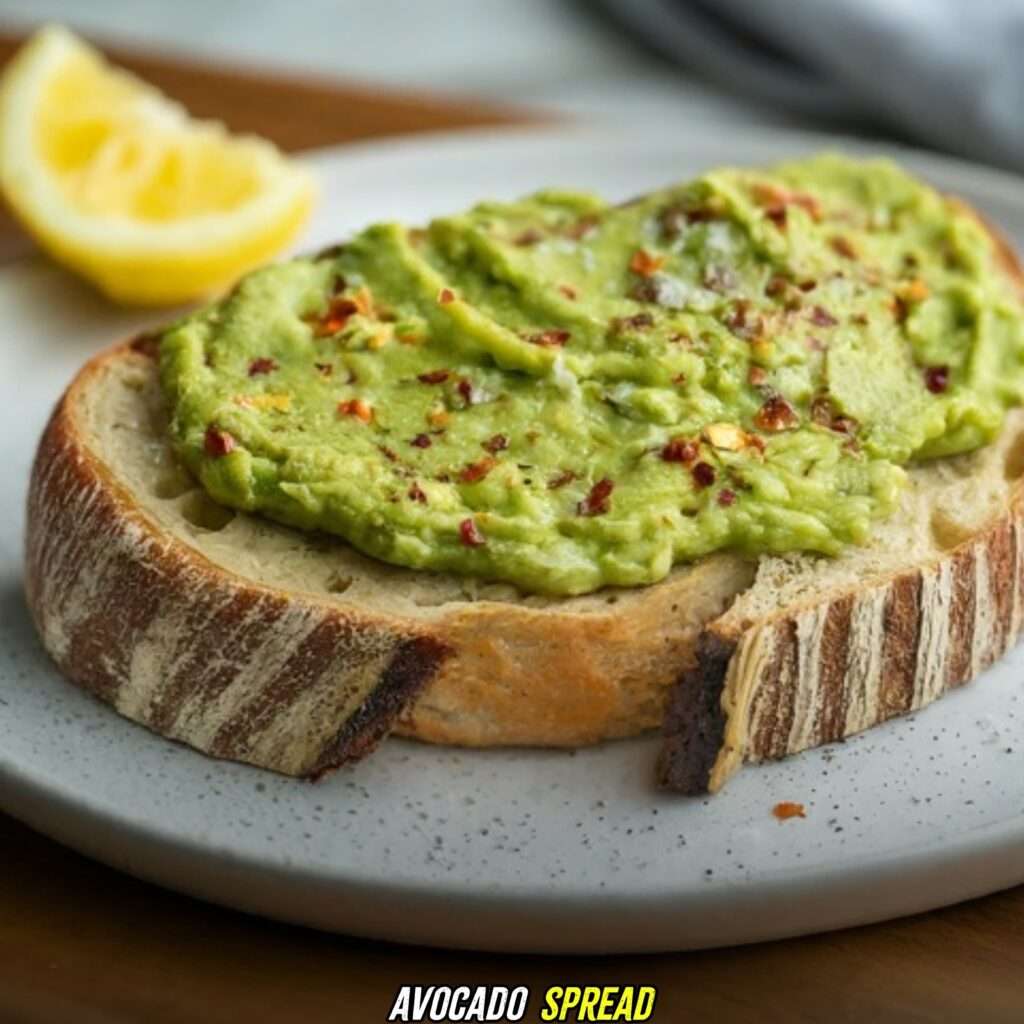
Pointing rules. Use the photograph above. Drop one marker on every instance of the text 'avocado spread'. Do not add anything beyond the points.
(565, 394)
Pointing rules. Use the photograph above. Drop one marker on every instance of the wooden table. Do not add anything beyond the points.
(80, 942)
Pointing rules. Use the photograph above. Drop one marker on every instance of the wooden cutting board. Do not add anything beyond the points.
(80, 942)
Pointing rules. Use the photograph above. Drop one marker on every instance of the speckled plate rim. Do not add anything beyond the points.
(528, 916)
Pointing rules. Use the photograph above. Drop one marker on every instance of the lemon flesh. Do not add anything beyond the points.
(118, 183)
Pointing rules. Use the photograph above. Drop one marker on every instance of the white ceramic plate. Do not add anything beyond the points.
(519, 850)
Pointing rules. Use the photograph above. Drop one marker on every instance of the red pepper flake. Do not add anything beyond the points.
(470, 535)
(444, 296)
(596, 502)
(582, 227)
(786, 809)
(327, 369)
(465, 389)
(261, 366)
(808, 286)
(726, 497)
(358, 408)
(646, 264)
(495, 444)
(561, 479)
(808, 203)
(776, 414)
(217, 442)
(738, 320)
(777, 215)
(568, 291)
(843, 247)
(417, 494)
(552, 337)
(776, 286)
(679, 449)
(703, 474)
(421, 441)
(337, 315)
(531, 236)
(757, 376)
(822, 317)
(915, 291)
(637, 322)
(936, 379)
(434, 377)
(476, 471)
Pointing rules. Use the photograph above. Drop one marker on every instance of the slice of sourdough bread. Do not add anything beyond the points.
(291, 651)
(256, 642)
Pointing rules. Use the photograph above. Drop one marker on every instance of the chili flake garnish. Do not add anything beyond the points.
(822, 317)
(561, 479)
(914, 291)
(476, 471)
(262, 365)
(434, 377)
(336, 317)
(596, 502)
(774, 198)
(357, 407)
(843, 247)
(776, 414)
(645, 264)
(936, 379)
(703, 474)
(470, 535)
(218, 442)
(498, 443)
(465, 389)
(581, 228)
(786, 809)
(444, 296)
(421, 441)
(726, 497)
(776, 286)
(636, 322)
(417, 494)
(553, 336)
(531, 236)
(757, 376)
(679, 449)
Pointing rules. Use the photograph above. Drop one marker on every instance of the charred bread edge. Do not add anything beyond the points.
(838, 666)
(80, 521)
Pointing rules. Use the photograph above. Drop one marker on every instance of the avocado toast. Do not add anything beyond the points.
(785, 375)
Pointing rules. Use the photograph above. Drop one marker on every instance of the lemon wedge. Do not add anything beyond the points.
(119, 184)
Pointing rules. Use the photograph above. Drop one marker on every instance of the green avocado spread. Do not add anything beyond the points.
(566, 394)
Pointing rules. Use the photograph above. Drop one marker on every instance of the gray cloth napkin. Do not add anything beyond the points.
(948, 73)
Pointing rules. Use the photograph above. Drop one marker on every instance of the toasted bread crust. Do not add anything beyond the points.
(850, 661)
(172, 641)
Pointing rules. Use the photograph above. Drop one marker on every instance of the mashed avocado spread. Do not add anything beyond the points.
(565, 394)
